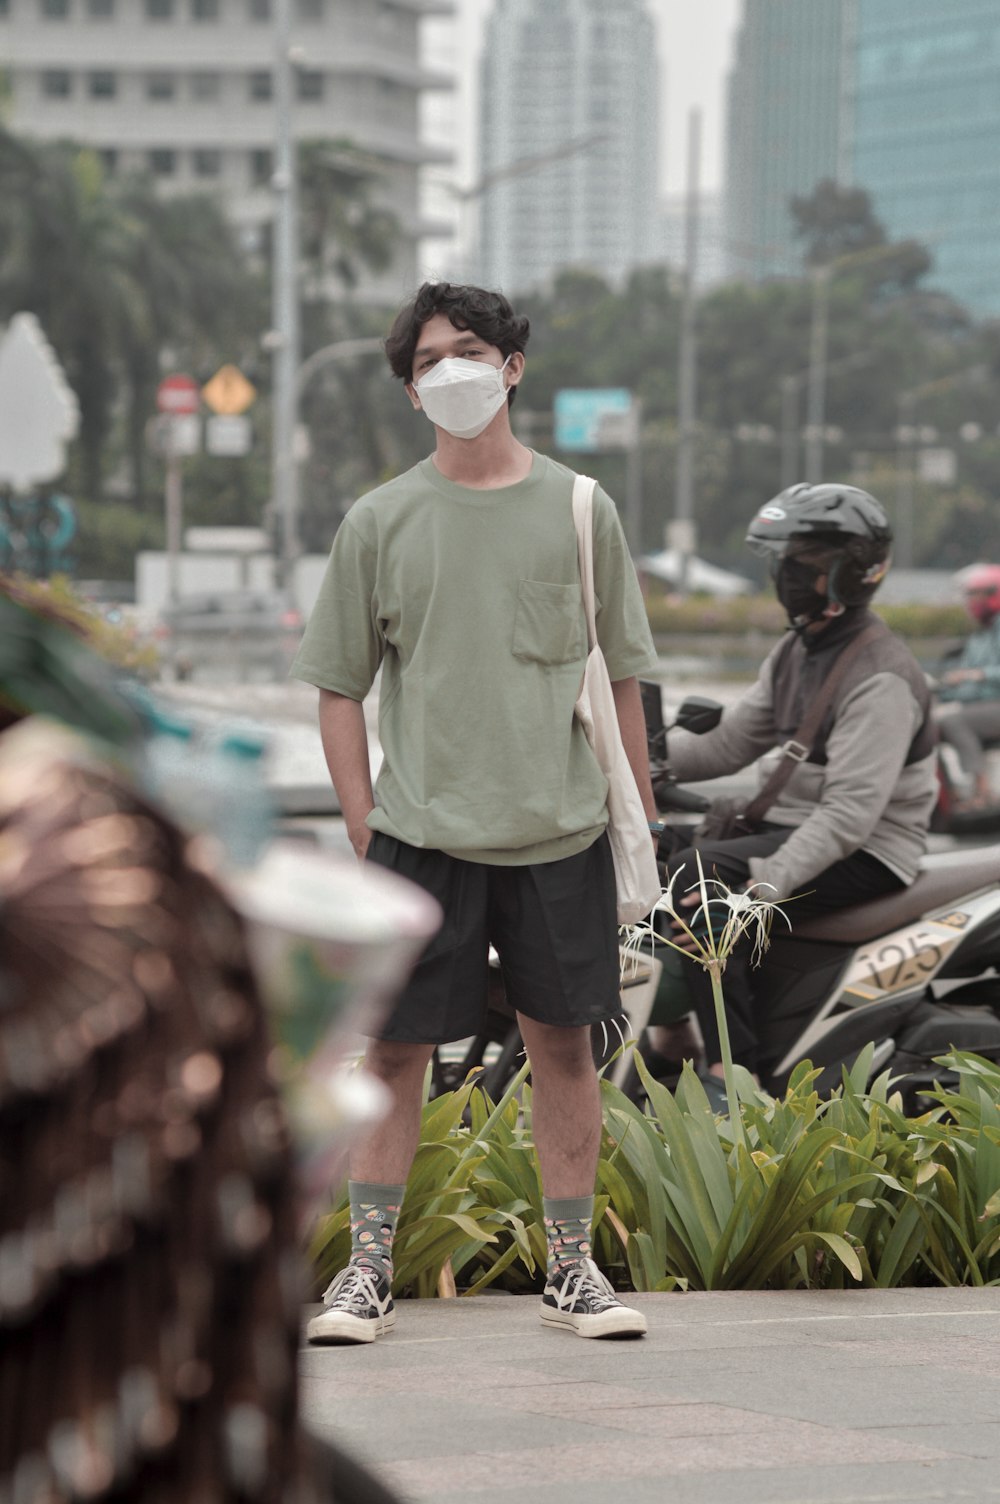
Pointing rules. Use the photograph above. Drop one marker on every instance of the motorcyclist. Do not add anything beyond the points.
(851, 822)
(968, 715)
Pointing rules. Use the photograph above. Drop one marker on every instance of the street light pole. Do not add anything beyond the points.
(681, 534)
(285, 300)
(907, 441)
(818, 340)
(816, 388)
(520, 167)
(790, 387)
(905, 477)
(341, 349)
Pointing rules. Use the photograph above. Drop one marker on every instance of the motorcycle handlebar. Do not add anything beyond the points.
(696, 714)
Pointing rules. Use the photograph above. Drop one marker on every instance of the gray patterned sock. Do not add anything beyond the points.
(567, 1228)
(374, 1214)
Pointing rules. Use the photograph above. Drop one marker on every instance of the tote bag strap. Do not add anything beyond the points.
(583, 521)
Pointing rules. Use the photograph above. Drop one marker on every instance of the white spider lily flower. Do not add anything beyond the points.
(747, 914)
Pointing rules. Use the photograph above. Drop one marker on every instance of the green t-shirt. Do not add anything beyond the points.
(471, 602)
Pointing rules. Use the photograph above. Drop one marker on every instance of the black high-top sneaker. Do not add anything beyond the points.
(581, 1299)
(357, 1307)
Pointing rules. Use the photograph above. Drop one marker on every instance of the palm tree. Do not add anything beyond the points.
(343, 227)
(198, 295)
(115, 273)
(60, 247)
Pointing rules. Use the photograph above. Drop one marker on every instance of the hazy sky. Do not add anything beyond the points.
(695, 45)
(696, 42)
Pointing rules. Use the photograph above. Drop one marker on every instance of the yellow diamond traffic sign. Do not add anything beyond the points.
(228, 392)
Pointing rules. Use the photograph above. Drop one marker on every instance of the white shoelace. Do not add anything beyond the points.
(357, 1285)
(587, 1281)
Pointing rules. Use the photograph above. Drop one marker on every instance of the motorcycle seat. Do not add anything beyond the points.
(943, 879)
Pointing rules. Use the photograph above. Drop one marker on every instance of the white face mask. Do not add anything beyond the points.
(462, 396)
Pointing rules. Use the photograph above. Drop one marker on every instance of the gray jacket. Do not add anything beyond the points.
(871, 781)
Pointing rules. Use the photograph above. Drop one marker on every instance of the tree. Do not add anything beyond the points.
(114, 273)
(200, 296)
(60, 248)
(835, 222)
(342, 225)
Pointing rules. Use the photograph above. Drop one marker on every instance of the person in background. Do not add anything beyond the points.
(461, 580)
(968, 692)
(851, 823)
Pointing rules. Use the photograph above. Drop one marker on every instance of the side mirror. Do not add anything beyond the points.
(652, 707)
(698, 715)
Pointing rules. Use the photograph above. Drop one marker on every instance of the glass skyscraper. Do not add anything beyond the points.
(785, 129)
(898, 97)
(925, 111)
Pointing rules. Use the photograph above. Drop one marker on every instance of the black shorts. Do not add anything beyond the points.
(553, 924)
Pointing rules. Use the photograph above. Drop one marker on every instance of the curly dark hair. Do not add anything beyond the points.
(487, 314)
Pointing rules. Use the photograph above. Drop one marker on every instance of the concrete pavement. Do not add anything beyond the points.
(761, 1398)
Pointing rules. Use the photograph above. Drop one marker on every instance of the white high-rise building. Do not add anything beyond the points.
(184, 90)
(568, 145)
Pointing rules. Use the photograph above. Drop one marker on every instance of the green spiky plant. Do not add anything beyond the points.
(789, 1192)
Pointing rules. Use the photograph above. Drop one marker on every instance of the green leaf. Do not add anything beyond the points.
(844, 1252)
(704, 1225)
(860, 1072)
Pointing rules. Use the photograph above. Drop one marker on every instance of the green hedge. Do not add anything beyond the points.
(827, 1194)
(109, 535)
(763, 614)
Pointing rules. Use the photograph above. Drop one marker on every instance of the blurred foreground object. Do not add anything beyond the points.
(149, 1278)
(332, 944)
(150, 1272)
(59, 657)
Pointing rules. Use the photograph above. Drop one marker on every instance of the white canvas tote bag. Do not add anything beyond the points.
(636, 874)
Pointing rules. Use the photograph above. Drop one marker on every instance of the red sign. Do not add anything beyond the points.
(177, 395)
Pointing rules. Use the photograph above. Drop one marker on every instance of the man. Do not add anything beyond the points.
(461, 579)
(968, 717)
(851, 822)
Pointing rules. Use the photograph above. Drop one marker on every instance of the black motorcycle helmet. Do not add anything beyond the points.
(842, 525)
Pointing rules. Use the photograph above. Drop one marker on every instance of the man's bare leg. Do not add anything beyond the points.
(566, 1106)
(566, 1117)
(358, 1304)
(387, 1153)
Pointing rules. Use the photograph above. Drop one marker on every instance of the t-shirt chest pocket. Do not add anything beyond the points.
(549, 625)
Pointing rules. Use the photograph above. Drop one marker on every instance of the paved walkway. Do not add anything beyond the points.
(768, 1398)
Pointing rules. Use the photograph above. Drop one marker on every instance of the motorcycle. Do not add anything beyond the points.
(915, 973)
(951, 816)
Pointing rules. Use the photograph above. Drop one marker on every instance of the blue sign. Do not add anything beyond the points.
(581, 413)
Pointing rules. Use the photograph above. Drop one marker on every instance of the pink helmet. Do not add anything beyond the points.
(981, 586)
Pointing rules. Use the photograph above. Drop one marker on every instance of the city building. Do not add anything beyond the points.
(568, 140)
(183, 89)
(898, 97)
(924, 109)
(786, 128)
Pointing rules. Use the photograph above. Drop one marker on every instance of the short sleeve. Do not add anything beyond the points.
(342, 645)
(622, 625)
